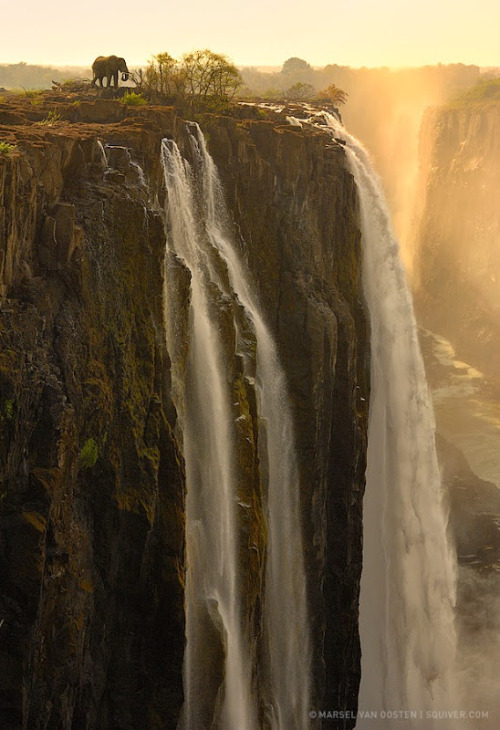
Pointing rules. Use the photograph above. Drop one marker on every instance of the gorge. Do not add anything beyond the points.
(192, 337)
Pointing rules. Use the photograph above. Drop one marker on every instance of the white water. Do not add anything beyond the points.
(104, 158)
(140, 174)
(195, 235)
(212, 590)
(408, 586)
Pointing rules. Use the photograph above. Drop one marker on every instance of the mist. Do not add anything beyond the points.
(478, 632)
(436, 147)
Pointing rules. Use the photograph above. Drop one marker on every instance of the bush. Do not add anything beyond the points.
(88, 454)
(6, 148)
(133, 99)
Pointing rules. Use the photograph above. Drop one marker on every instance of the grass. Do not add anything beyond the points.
(51, 118)
(6, 148)
(30, 93)
(133, 99)
(486, 92)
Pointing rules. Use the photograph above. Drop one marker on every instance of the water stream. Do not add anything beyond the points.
(408, 586)
(197, 233)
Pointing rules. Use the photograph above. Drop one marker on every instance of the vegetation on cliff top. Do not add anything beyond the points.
(200, 78)
(482, 94)
(133, 99)
(6, 148)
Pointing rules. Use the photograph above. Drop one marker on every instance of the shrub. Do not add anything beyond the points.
(6, 148)
(88, 454)
(133, 99)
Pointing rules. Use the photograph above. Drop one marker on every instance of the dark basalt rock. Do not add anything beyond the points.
(92, 497)
(295, 209)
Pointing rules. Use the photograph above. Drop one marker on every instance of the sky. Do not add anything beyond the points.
(256, 33)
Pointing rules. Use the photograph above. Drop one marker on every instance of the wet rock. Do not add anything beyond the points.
(92, 519)
(296, 218)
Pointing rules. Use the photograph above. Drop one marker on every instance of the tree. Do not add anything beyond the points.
(159, 74)
(210, 74)
(300, 92)
(334, 95)
(295, 65)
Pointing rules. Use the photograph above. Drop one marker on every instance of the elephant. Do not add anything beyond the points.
(108, 67)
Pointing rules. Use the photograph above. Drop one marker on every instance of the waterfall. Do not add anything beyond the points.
(408, 584)
(197, 233)
(102, 154)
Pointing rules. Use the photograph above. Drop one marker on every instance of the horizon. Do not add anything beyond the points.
(263, 68)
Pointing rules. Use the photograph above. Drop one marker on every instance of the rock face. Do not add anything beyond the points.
(457, 254)
(301, 241)
(92, 496)
(92, 502)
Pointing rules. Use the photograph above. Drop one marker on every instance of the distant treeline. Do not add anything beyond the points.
(28, 76)
(448, 79)
(357, 82)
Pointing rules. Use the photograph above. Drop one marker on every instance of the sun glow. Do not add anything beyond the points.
(357, 33)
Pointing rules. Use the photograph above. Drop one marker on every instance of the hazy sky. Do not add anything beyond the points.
(258, 32)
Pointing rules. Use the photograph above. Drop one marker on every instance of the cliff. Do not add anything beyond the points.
(457, 267)
(92, 468)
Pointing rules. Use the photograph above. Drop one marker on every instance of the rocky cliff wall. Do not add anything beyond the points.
(457, 250)
(91, 520)
(302, 243)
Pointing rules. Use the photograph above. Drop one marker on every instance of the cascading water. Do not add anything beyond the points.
(408, 582)
(102, 152)
(212, 591)
(197, 235)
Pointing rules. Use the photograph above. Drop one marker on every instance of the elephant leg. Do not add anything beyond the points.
(115, 78)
